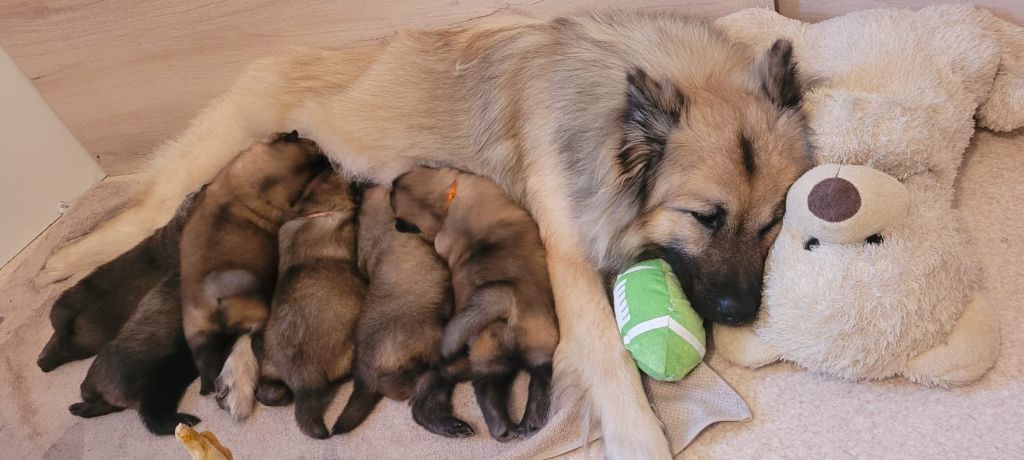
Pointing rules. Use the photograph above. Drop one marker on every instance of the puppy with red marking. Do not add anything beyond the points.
(309, 340)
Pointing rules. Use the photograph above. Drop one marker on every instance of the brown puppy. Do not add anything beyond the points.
(399, 332)
(147, 367)
(229, 246)
(308, 342)
(504, 307)
(91, 313)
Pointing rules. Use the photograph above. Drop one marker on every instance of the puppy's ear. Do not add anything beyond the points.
(292, 136)
(653, 109)
(778, 76)
(404, 226)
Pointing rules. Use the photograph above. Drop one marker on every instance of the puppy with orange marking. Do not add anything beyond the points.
(504, 309)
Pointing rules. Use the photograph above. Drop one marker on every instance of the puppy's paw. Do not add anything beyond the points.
(315, 430)
(273, 393)
(187, 419)
(236, 384)
(526, 428)
(452, 427)
(79, 409)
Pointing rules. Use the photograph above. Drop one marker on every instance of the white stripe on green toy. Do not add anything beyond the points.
(660, 329)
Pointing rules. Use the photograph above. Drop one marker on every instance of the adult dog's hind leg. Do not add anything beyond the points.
(262, 101)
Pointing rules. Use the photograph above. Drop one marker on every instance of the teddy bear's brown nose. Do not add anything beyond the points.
(834, 200)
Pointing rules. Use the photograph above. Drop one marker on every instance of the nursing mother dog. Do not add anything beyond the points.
(622, 133)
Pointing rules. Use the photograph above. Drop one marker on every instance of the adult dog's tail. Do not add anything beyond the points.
(236, 384)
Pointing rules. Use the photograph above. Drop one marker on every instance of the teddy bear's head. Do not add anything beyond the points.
(865, 266)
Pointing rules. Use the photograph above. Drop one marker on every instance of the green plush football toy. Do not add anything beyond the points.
(659, 327)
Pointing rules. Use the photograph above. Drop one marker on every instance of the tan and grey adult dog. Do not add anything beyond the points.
(620, 133)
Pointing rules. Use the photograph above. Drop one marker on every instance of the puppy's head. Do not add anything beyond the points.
(710, 167)
(278, 171)
(420, 197)
(329, 191)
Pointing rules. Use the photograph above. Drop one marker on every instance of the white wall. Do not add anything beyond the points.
(41, 163)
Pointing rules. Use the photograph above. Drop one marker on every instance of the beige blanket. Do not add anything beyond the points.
(35, 423)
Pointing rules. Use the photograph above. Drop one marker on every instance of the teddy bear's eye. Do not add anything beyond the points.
(811, 244)
(875, 239)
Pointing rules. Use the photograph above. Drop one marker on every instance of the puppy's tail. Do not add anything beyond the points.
(158, 404)
(358, 408)
(488, 304)
(236, 384)
(310, 405)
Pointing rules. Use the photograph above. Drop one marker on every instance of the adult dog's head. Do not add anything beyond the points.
(710, 166)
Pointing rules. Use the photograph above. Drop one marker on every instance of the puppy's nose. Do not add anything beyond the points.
(732, 311)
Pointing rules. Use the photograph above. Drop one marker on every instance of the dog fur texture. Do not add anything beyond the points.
(229, 246)
(398, 337)
(147, 367)
(238, 380)
(309, 339)
(90, 314)
(619, 132)
(504, 309)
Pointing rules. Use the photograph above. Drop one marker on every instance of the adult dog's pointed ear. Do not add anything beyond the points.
(653, 109)
(778, 77)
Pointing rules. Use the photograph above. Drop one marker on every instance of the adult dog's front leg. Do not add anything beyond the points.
(591, 354)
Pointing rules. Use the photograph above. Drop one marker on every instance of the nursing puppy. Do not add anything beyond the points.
(621, 133)
(398, 337)
(504, 308)
(309, 339)
(147, 367)
(90, 313)
(229, 246)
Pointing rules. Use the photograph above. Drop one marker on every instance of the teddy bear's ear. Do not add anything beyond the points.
(1004, 109)
(778, 78)
(758, 27)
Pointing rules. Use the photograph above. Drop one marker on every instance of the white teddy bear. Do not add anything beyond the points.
(871, 275)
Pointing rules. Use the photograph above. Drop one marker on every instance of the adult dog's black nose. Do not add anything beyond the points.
(733, 311)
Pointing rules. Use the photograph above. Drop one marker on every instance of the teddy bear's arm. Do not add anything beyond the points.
(741, 346)
(967, 353)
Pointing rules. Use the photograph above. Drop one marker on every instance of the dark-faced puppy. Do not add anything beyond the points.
(399, 332)
(504, 308)
(229, 246)
(90, 313)
(309, 339)
(147, 367)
